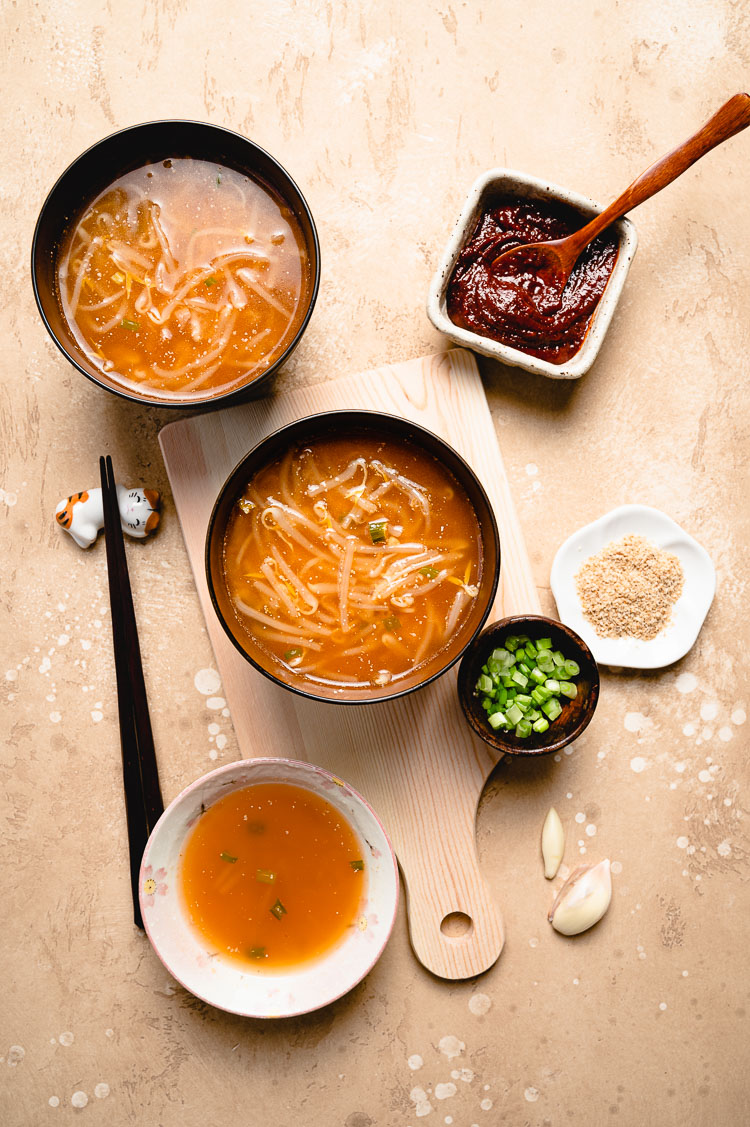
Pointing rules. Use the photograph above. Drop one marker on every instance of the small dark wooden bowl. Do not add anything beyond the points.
(112, 157)
(576, 714)
(339, 424)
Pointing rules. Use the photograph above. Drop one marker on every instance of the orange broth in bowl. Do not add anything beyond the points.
(273, 875)
(184, 278)
(351, 562)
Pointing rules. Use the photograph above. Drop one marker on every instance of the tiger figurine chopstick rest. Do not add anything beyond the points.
(82, 515)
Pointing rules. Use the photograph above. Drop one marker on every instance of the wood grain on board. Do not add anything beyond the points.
(414, 759)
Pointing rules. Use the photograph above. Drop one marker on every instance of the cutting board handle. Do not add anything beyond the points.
(455, 925)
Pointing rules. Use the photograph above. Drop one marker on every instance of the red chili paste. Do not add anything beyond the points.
(517, 308)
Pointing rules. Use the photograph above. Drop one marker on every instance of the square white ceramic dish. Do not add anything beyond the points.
(231, 985)
(689, 611)
(502, 183)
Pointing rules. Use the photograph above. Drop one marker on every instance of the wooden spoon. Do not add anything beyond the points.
(553, 261)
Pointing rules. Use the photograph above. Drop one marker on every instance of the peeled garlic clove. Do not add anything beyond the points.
(553, 843)
(583, 899)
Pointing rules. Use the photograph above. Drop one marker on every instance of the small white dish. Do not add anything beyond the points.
(688, 613)
(230, 985)
(502, 183)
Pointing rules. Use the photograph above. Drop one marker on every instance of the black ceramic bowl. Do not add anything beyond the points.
(343, 424)
(111, 158)
(576, 714)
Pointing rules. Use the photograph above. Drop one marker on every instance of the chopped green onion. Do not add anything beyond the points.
(256, 827)
(257, 952)
(228, 857)
(552, 708)
(132, 325)
(514, 713)
(209, 281)
(218, 179)
(378, 531)
(429, 572)
(392, 624)
(523, 683)
(265, 876)
(358, 866)
(294, 652)
(278, 910)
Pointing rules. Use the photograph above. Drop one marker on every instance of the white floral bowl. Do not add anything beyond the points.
(689, 611)
(227, 984)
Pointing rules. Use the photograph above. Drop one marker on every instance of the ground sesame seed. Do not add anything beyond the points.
(629, 588)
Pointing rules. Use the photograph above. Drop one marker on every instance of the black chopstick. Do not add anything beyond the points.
(143, 801)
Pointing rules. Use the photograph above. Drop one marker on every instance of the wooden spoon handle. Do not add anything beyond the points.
(733, 117)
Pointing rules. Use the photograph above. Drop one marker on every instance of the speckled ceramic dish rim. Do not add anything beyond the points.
(689, 611)
(224, 983)
(506, 181)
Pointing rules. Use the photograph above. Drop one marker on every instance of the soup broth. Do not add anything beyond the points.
(352, 561)
(273, 875)
(184, 278)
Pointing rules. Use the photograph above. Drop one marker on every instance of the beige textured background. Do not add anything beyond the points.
(384, 113)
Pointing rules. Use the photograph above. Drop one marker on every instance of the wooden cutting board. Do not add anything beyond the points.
(414, 759)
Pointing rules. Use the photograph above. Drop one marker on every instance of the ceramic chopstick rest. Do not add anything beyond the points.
(82, 515)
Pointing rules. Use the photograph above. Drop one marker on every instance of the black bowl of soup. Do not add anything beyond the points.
(176, 263)
(352, 556)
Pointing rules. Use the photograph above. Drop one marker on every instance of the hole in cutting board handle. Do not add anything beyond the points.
(456, 925)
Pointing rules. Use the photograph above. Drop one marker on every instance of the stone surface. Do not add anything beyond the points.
(384, 113)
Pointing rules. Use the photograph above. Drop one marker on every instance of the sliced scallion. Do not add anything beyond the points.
(358, 866)
(429, 572)
(227, 857)
(523, 685)
(378, 529)
(265, 876)
(132, 325)
(278, 910)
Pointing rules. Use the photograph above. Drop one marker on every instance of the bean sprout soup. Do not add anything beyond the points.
(184, 278)
(352, 562)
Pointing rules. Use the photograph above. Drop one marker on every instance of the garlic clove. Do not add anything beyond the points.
(583, 899)
(553, 843)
